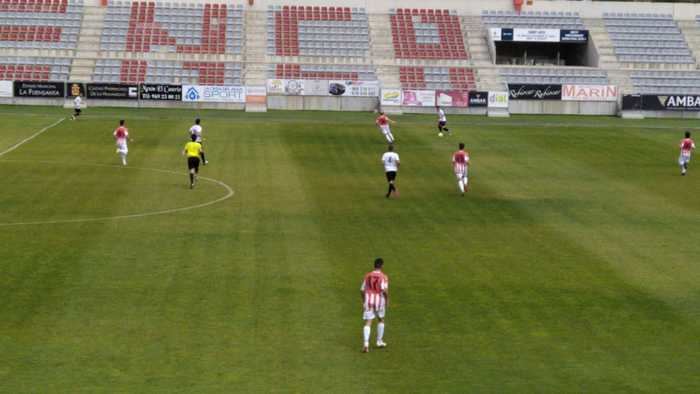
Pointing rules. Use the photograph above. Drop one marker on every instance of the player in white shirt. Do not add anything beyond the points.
(196, 130)
(77, 107)
(391, 162)
(442, 121)
(121, 135)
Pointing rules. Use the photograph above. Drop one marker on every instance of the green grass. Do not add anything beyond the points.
(571, 266)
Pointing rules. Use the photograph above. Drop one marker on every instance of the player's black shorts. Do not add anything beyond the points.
(193, 162)
(442, 124)
(77, 111)
(391, 176)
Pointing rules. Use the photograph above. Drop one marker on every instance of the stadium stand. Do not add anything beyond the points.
(532, 19)
(666, 82)
(321, 72)
(561, 75)
(43, 24)
(221, 42)
(176, 28)
(427, 34)
(317, 31)
(443, 78)
(167, 72)
(34, 68)
(643, 39)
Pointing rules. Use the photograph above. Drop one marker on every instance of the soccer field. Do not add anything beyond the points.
(570, 266)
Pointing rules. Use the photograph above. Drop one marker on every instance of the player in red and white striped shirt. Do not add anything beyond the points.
(383, 122)
(460, 165)
(375, 296)
(121, 135)
(687, 148)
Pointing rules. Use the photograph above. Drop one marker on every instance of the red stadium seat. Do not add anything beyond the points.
(459, 79)
(406, 45)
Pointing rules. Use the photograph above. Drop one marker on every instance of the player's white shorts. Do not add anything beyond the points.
(462, 174)
(122, 148)
(683, 160)
(371, 313)
(385, 129)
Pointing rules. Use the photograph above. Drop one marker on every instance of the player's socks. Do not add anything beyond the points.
(366, 331)
(380, 334)
(460, 183)
(191, 180)
(466, 183)
(204, 161)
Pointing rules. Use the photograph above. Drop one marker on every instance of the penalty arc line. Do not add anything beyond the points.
(31, 137)
(229, 194)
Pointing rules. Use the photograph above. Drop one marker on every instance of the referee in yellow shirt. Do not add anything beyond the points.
(193, 150)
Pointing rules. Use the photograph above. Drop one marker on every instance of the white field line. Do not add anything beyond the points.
(31, 137)
(229, 194)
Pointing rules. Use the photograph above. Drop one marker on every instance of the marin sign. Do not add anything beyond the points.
(534, 92)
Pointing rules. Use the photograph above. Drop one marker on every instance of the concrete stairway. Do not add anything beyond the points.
(382, 50)
(599, 37)
(489, 79)
(88, 44)
(691, 31)
(618, 73)
(475, 40)
(255, 70)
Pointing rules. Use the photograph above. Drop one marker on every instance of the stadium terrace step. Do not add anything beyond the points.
(532, 19)
(427, 34)
(666, 82)
(40, 25)
(170, 72)
(317, 31)
(34, 68)
(322, 72)
(434, 78)
(648, 41)
(554, 75)
(141, 26)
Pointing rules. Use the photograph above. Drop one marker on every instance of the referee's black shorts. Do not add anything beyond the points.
(390, 176)
(193, 163)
